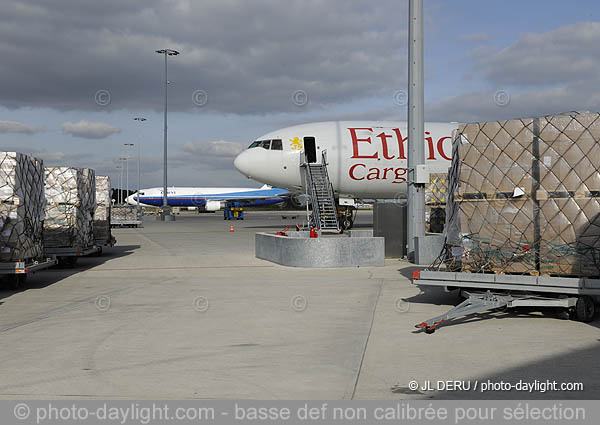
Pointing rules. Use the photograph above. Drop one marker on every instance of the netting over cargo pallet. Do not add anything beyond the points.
(71, 201)
(526, 195)
(21, 207)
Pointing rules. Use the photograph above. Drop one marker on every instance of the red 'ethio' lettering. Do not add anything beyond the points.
(384, 145)
(401, 140)
(431, 149)
(440, 148)
(355, 141)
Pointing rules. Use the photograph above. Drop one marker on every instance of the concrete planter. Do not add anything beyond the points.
(357, 248)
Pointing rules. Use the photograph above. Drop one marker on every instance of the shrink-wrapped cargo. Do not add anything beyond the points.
(527, 195)
(70, 205)
(21, 207)
(103, 208)
(124, 213)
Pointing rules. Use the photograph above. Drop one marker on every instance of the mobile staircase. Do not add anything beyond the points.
(320, 190)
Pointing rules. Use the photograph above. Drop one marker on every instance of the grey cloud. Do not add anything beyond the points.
(546, 73)
(480, 106)
(89, 130)
(567, 54)
(248, 56)
(207, 155)
(17, 127)
(219, 148)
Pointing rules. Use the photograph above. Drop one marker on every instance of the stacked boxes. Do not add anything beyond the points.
(124, 213)
(70, 205)
(435, 202)
(102, 212)
(21, 207)
(528, 195)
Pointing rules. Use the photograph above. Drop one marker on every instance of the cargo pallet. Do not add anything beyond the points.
(16, 272)
(485, 292)
(67, 256)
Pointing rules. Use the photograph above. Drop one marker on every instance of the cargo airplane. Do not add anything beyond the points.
(208, 198)
(365, 160)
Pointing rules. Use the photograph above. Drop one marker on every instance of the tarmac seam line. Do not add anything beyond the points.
(362, 358)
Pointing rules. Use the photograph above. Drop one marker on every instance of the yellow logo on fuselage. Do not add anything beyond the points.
(296, 143)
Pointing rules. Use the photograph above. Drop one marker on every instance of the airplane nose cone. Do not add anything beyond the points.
(242, 163)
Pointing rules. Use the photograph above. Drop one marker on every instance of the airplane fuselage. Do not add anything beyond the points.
(365, 159)
(211, 198)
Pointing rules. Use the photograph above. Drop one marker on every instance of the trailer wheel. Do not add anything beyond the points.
(347, 224)
(16, 281)
(585, 309)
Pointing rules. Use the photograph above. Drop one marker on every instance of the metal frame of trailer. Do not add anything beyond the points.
(485, 292)
(68, 256)
(18, 270)
(106, 242)
(100, 243)
(125, 223)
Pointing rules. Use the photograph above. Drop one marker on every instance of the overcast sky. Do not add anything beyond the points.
(74, 73)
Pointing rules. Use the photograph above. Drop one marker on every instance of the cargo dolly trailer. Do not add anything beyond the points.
(487, 292)
(16, 272)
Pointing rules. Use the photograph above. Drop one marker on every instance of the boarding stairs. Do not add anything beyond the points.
(320, 190)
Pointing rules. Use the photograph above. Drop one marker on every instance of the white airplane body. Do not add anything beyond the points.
(366, 159)
(208, 198)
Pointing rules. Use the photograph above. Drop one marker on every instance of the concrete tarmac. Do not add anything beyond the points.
(185, 310)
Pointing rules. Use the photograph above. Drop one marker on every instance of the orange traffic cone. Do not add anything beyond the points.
(231, 228)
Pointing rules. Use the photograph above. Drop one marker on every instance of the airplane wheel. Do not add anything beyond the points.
(347, 224)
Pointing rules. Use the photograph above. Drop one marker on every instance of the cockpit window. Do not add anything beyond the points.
(276, 145)
(267, 144)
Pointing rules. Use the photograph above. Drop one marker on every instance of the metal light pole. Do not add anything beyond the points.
(122, 178)
(128, 145)
(139, 210)
(119, 192)
(166, 214)
(416, 128)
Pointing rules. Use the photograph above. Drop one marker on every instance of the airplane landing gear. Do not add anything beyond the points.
(346, 216)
